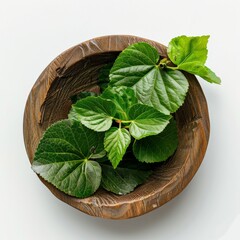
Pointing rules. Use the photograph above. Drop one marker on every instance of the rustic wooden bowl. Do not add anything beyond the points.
(77, 70)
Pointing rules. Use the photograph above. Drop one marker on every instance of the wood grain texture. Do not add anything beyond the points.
(77, 70)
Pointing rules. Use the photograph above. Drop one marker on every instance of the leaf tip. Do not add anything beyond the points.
(114, 164)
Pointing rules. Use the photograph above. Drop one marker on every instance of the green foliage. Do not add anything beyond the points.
(82, 95)
(137, 67)
(157, 148)
(123, 98)
(116, 142)
(190, 55)
(95, 113)
(103, 79)
(116, 138)
(122, 180)
(146, 121)
(63, 158)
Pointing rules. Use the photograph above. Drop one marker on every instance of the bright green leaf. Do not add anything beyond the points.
(123, 98)
(157, 148)
(122, 180)
(208, 75)
(146, 121)
(94, 112)
(183, 50)
(63, 158)
(137, 67)
(116, 142)
(190, 55)
(204, 72)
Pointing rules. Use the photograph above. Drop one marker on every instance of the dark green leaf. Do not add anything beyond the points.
(133, 63)
(94, 112)
(146, 121)
(103, 160)
(63, 158)
(104, 73)
(116, 142)
(123, 98)
(122, 180)
(103, 85)
(190, 55)
(104, 76)
(164, 90)
(137, 67)
(82, 95)
(157, 148)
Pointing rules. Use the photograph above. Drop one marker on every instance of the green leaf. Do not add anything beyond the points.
(98, 155)
(204, 72)
(104, 72)
(190, 55)
(122, 180)
(164, 90)
(123, 98)
(137, 67)
(103, 85)
(73, 114)
(63, 158)
(207, 74)
(157, 148)
(82, 95)
(94, 112)
(184, 50)
(146, 121)
(131, 162)
(103, 79)
(116, 142)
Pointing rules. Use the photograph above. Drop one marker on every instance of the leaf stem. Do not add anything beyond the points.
(173, 68)
(164, 64)
(126, 121)
(122, 121)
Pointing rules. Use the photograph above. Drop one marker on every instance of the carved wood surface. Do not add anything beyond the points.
(77, 70)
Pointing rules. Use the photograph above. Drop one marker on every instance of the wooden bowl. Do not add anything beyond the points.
(77, 70)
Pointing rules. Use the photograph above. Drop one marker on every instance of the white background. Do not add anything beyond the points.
(32, 33)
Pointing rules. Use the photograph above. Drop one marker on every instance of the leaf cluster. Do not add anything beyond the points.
(133, 115)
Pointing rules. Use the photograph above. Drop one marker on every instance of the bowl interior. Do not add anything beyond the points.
(77, 70)
(81, 76)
